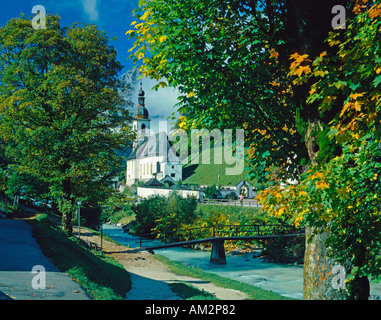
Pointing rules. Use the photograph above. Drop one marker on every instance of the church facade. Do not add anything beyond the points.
(153, 155)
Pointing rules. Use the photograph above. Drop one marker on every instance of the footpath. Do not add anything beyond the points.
(19, 254)
(152, 279)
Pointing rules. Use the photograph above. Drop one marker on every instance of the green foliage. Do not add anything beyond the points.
(9, 210)
(159, 214)
(63, 119)
(147, 212)
(92, 217)
(328, 147)
(350, 209)
(229, 63)
(350, 201)
(284, 250)
(25, 184)
(211, 192)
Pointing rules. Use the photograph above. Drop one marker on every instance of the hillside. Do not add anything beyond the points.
(207, 174)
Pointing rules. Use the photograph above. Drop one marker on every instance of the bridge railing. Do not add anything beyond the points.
(217, 231)
(230, 202)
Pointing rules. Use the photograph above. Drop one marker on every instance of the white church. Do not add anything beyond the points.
(153, 159)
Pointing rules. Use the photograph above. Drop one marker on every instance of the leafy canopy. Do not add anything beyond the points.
(61, 114)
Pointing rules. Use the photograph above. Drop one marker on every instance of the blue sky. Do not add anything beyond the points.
(112, 16)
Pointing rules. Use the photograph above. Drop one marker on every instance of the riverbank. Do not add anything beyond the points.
(283, 279)
(154, 279)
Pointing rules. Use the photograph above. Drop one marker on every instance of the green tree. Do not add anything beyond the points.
(164, 214)
(230, 60)
(148, 212)
(60, 108)
(340, 195)
(231, 63)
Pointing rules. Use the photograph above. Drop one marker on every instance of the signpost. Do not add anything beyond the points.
(79, 219)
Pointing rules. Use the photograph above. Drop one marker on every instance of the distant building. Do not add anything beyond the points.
(153, 155)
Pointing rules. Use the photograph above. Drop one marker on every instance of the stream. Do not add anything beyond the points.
(284, 279)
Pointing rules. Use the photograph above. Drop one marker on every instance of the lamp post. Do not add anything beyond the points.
(79, 219)
(101, 230)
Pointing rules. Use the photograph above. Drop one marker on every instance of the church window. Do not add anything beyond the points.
(158, 167)
(173, 175)
(143, 128)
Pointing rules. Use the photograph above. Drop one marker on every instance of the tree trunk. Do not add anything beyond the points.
(318, 273)
(66, 207)
(66, 222)
(307, 26)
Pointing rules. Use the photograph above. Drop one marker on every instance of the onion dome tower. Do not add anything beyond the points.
(141, 123)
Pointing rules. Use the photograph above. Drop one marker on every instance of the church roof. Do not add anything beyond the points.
(141, 112)
(153, 182)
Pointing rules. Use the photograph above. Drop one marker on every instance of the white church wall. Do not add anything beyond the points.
(145, 192)
(173, 170)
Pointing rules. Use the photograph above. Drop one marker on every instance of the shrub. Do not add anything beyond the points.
(232, 195)
(284, 250)
(147, 212)
(159, 214)
(212, 192)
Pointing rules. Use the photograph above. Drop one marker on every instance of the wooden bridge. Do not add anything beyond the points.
(217, 235)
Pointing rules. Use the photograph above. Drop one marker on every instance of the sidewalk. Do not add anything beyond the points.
(19, 253)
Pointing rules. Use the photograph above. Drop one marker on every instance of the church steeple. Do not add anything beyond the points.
(141, 99)
(141, 123)
(141, 111)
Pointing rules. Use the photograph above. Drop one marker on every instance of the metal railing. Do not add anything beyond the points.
(217, 231)
(229, 202)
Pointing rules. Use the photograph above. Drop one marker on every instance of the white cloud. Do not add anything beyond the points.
(160, 103)
(91, 8)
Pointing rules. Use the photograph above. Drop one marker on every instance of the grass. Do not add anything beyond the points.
(253, 293)
(235, 213)
(102, 277)
(189, 292)
(123, 216)
(207, 174)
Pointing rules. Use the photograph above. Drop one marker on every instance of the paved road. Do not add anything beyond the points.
(19, 253)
